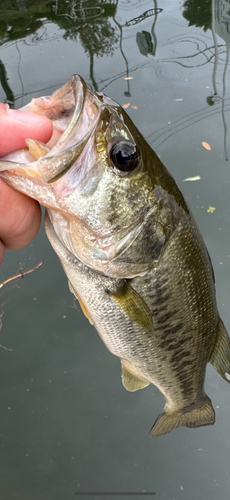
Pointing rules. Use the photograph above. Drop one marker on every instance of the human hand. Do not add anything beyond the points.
(20, 216)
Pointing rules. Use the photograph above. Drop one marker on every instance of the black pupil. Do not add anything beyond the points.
(124, 156)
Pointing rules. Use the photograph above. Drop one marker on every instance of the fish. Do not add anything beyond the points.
(129, 245)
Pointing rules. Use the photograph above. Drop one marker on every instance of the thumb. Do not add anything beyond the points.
(16, 126)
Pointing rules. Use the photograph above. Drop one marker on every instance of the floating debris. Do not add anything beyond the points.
(128, 78)
(20, 275)
(192, 179)
(211, 209)
(125, 106)
(134, 107)
(206, 145)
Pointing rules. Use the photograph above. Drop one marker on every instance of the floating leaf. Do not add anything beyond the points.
(134, 107)
(128, 78)
(211, 209)
(206, 145)
(126, 105)
(196, 178)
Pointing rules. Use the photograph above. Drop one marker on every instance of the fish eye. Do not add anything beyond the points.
(125, 156)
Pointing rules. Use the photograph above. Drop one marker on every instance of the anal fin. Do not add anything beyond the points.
(130, 381)
(196, 417)
(220, 358)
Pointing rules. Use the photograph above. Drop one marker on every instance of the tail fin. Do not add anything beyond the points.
(220, 358)
(167, 421)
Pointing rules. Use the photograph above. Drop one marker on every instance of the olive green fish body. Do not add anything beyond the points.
(130, 248)
(169, 342)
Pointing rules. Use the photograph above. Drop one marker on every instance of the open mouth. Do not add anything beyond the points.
(51, 164)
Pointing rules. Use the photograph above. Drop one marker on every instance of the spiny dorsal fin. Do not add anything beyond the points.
(132, 304)
(130, 381)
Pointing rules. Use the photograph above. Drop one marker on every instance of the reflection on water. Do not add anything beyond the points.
(198, 13)
(66, 423)
(5, 85)
(94, 23)
(99, 29)
(220, 26)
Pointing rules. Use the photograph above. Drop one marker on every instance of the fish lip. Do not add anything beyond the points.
(79, 89)
(59, 159)
(47, 165)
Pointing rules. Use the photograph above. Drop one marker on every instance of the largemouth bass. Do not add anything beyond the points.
(130, 248)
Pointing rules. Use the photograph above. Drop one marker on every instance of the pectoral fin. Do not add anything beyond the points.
(169, 420)
(220, 358)
(130, 381)
(132, 304)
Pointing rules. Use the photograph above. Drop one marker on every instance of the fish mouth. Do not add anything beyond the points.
(66, 148)
(53, 164)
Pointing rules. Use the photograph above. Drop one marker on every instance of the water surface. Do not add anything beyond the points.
(67, 424)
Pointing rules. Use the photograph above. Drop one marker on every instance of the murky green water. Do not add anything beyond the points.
(67, 425)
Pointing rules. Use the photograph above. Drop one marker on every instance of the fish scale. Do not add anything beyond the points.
(132, 253)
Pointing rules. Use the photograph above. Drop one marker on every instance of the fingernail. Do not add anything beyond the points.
(25, 117)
